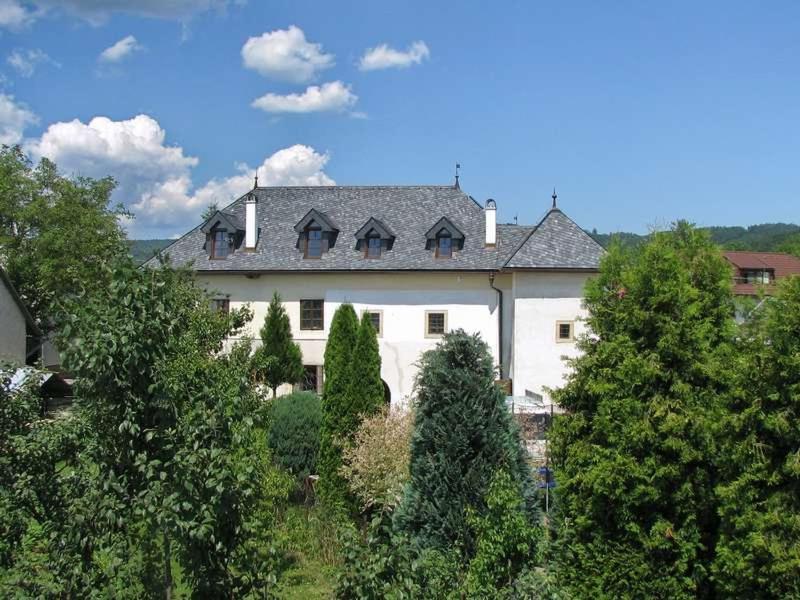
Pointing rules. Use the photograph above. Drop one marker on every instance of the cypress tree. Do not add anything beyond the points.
(278, 360)
(634, 453)
(332, 488)
(365, 394)
(758, 554)
(463, 435)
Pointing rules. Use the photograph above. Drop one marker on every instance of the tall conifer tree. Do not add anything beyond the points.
(463, 435)
(278, 360)
(634, 453)
(365, 393)
(332, 487)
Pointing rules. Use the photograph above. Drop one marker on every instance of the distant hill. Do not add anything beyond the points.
(142, 250)
(767, 237)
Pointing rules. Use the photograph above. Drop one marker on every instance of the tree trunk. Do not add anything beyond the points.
(167, 568)
(274, 392)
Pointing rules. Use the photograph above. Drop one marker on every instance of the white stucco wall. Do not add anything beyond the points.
(12, 328)
(541, 299)
(403, 299)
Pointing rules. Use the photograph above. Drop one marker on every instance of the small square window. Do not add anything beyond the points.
(222, 305)
(312, 314)
(435, 323)
(376, 317)
(565, 331)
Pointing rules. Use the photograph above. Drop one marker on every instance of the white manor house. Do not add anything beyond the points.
(421, 260)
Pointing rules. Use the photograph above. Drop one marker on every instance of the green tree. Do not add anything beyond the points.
(365, 388)
(634, 453)
(332, 487)
(57, 234)
(758, 555)
(463, 435)
(278, 360)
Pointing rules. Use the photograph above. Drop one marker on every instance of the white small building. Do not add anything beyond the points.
(422, 260)
(18, 331)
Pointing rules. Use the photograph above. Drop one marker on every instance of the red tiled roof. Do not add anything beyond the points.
(783, 265)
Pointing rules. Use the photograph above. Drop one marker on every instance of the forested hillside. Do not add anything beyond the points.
(141, 250)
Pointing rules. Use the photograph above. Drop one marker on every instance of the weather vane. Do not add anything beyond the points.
(458, 166)
(555, 197)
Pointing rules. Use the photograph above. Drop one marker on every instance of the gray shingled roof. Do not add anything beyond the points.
(409, 211)
(557, 243)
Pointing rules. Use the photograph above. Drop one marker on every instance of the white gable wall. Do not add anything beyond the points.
(12, 328)
(541, 299)
(402, 298)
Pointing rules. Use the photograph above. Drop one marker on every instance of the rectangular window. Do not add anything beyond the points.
(435, 323)
(373, 247)
(312, 379)
(222, 305)
(565, 331)
(376, 316)
(219, 244)
(313, 243)
(444, 247)
(312, 314)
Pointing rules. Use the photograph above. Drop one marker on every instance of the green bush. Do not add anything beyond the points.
(294, 432)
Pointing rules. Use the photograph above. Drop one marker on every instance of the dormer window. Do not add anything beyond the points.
(317, 234)
(224, 233)
(313, 243)
(444, 245)
(374, 238)
(220, 244)
(444, 238)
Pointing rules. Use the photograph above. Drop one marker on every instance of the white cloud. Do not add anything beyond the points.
(285, 54)
(331, 96)
(25, 62)
(155, 179)
(13, 15)
(120, 50)
(384, 57)
(14, 118)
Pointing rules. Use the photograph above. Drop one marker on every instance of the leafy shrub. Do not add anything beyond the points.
(294, 432)
(376, 463)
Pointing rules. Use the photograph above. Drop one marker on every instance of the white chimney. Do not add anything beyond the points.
(250, 221)
(491, 223)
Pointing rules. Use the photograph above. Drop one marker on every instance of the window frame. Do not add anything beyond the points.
(319, 374)
(304, 319)
(378, 312)
(307, 242)
(428, 333)
(444, 236)
(227, 244)
(367, 247)
(222, 305)
(571, 337)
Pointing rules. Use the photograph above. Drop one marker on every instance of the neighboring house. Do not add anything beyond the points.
(757, 272)
(421, 260)
(20, 338)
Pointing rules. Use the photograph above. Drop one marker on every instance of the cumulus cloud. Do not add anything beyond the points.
(155, 179)
(13, 15)
(384, 57)
(285, 54)
(25, 62)
(14, 118)
(332, 96)
(120, 50)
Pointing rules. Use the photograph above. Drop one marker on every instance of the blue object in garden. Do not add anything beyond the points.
(546, 479)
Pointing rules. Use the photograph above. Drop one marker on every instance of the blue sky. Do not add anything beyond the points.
(639, 113)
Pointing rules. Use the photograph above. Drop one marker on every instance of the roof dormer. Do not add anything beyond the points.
(374, 238)
(444, 238)
(316, 234)
(224, 234)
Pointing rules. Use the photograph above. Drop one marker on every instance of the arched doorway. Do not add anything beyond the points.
(387, 395)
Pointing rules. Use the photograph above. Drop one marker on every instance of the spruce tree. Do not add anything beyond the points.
(332, 488)
(365, 394)
(758, 554)
(634, 453)
(463, 435)
(278, 360)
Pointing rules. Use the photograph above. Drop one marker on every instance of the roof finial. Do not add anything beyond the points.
(255, 183)
(555, 197)
(457, 186)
